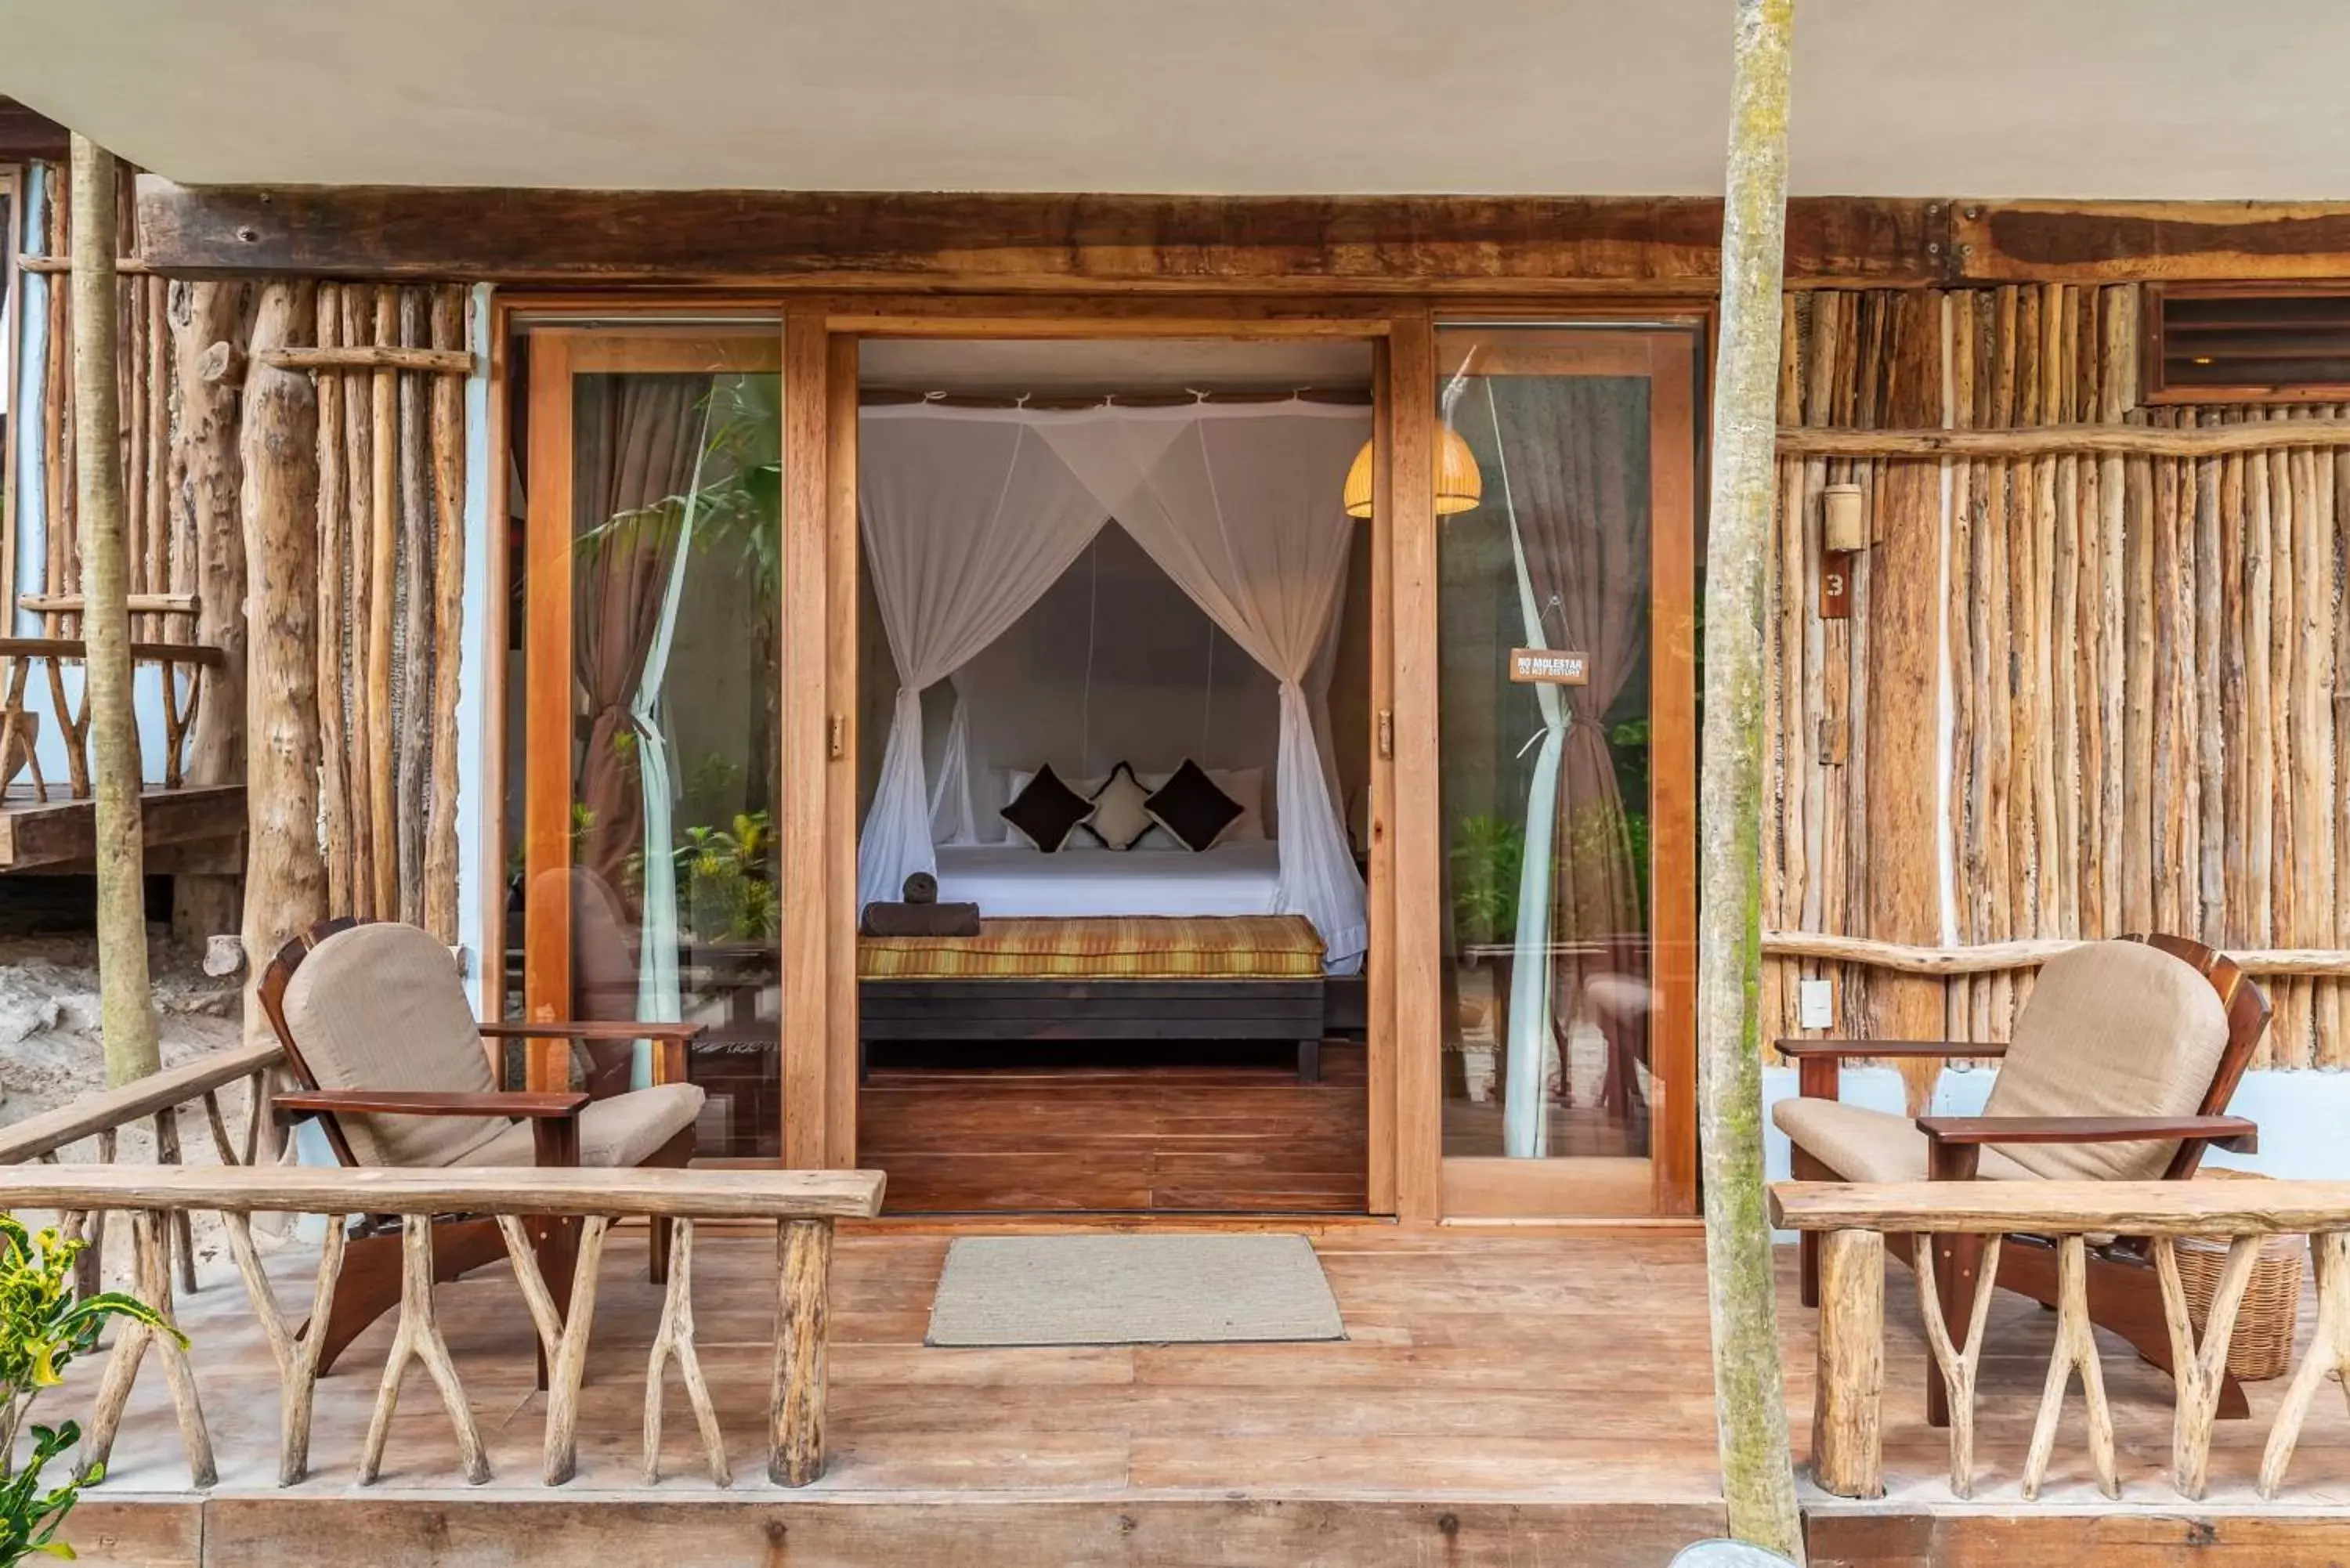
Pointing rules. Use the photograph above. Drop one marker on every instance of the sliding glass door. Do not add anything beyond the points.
(645, 772)
(1566, 638)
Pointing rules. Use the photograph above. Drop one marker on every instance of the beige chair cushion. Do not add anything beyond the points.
(1861, 1144)
(2113, 1029)
(614, 1134)
(381, 1006)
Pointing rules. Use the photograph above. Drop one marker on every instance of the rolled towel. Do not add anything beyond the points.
(922, 887)
(883, 918)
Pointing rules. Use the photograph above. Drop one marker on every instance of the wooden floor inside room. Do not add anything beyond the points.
(1059, 1130)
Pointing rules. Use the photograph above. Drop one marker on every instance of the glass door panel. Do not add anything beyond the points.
(1566, 657)
(649, 868)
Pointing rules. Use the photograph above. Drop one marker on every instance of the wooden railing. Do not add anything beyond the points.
(155, 1203)
(19, 739)
(1853, 1220)
(158, 1102)
(801, 1205)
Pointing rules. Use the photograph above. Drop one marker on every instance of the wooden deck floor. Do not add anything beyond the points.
(1501, 1399)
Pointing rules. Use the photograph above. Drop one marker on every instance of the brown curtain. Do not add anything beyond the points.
(636, 440)
(1574, 458)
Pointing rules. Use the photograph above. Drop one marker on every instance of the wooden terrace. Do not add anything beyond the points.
(1500, 1399)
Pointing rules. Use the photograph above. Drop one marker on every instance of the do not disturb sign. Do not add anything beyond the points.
(1550, 667)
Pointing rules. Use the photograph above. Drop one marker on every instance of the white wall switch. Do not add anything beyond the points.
(1815, 1003)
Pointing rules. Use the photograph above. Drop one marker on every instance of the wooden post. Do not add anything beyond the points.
(125, 1004)
(795, 1398)
(1848, 1433)
(207, 323)
(1757, 1472)
(285, 878)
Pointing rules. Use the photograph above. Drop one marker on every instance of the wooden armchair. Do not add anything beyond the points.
(2121, 1068)
(386, 1054)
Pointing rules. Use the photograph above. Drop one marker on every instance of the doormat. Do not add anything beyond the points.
(1132, 1290)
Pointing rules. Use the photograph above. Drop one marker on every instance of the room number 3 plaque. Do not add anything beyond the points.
(1550, 666)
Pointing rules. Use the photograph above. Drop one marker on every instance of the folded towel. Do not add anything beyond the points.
(883, 918)
(922, 887)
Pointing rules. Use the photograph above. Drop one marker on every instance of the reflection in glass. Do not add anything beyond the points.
(672, 881)
(1546, 784)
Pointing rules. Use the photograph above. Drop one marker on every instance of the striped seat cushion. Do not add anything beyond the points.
(1191, 947)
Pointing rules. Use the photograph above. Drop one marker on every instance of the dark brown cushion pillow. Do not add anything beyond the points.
(1047, 810)
(1191, 807)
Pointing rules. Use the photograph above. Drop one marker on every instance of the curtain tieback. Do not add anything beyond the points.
(1566, 722)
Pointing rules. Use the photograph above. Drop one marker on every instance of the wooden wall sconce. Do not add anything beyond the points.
(1844, 534)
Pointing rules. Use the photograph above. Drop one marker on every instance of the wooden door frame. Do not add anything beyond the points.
(1667, 352)
(846, 322)
(817, 334)
(560, 352)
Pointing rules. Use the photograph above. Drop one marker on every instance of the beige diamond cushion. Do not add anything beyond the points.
(2113, 1029)
(381, 1006)
(614, 1134)
(1861, 1144)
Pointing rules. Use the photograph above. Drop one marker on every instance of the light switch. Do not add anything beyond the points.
(1815, 1003)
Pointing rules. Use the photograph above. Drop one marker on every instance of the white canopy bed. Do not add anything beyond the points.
(972, 517)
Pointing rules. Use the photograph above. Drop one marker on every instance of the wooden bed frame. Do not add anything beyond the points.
(941, 1011)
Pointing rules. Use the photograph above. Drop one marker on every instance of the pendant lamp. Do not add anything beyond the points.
(1458, 485)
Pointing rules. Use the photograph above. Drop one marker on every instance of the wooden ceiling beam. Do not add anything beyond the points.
(1371, 244)
(25, 134)
(2130, 241)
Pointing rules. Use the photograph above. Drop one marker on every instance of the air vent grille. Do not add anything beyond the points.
(2217, 348)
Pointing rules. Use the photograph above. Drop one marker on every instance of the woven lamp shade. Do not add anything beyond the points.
(1458, 483)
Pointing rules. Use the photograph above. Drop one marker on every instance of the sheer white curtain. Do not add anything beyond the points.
(1243, 505)
(968, 516)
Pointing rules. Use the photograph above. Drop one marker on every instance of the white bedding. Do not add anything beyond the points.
(1007, 882)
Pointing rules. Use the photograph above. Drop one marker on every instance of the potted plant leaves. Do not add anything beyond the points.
(43, 1328)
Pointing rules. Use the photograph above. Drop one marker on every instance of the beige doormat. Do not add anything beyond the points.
(1132, 1290)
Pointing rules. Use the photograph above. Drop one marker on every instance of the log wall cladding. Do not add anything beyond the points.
(2144, 657)
(162, 545)
(386, 362)
(391, 478)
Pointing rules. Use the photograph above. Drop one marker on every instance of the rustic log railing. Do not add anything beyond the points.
(158, 1102)
(1999, 958)
(1854, 1219)
(801, 1205)
(182, 700)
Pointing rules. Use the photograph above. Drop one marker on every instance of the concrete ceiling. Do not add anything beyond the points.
(2179, 98)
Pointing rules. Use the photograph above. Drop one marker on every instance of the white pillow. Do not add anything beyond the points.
(1245, 785)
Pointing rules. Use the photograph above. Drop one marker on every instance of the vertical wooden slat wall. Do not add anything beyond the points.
(161, 559)
(391, 477)
(2145, 659)
(391, 448)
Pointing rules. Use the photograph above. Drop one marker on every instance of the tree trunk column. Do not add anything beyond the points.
(207, 321)
(285, 875)
(1757, 1472)
(127, 1011)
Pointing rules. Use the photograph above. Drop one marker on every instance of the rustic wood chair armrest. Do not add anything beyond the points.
(2235, 1133)
(299, 1104)
(596, 1030)
(1844, 1049)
